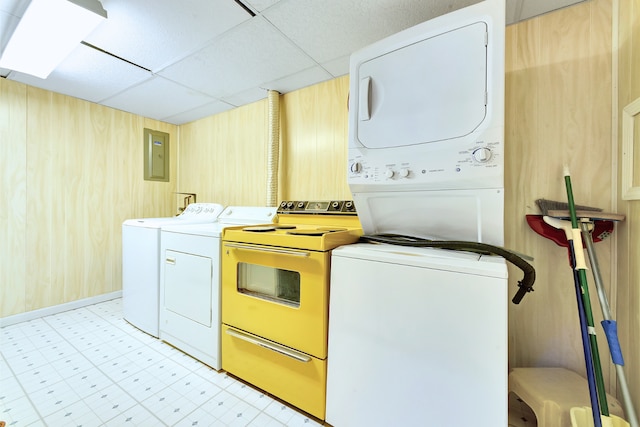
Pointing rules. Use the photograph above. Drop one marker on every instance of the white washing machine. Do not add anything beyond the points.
(416, 337)
(141, 262)
(190, 282)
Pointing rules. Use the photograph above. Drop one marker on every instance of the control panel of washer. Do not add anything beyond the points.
(197, 210)
(438, 166)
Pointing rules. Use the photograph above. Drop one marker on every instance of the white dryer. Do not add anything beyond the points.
(190, 282)
(141, 262)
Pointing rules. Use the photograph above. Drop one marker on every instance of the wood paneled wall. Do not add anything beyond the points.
(223, 158)
(314, 135)
(560, 111)
(72, 173)
(13, 199)
(628, 307)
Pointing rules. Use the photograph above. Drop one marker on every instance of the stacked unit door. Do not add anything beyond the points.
(439, 82)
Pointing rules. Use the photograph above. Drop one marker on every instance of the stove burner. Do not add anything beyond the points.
(260, 228)
(285, 227)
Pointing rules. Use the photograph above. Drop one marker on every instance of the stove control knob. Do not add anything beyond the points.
(355, 167)
(389, 173)
(482, 155)
(289, 205)
(404, 172)
(300, 205)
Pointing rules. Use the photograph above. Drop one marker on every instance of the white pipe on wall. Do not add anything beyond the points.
(273, 149)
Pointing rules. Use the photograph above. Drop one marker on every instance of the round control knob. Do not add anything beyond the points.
(335, 205)
(355, 167)
(300, 205)
(482, 155)
(289, 205)
(404, 172)
(389, 173)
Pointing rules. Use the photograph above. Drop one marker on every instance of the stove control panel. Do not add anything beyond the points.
(326, 207)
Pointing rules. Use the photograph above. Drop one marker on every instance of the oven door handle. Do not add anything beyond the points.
(272, 250)
(301, 357)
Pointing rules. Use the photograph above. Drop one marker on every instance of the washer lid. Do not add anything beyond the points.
(232, 215)
(152, 222)
(432, 258)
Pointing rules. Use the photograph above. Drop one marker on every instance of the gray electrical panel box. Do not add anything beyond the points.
(156, 155)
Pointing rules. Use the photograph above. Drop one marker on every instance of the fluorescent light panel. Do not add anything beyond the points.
(48, 32)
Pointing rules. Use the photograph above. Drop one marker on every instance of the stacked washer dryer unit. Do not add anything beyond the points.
(190, 282)
(141, 262)
(418, 336)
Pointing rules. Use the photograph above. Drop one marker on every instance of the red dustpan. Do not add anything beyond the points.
(601, 230)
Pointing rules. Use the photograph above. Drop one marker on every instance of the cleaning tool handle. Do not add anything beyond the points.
(595, 354)
(572, 204)
(611, 331)
(577, 239)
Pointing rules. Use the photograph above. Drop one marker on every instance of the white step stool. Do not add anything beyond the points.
(552, 392)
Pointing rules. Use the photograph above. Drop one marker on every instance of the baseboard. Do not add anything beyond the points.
(48, 311)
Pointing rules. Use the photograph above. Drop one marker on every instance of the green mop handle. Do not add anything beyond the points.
(581, 267)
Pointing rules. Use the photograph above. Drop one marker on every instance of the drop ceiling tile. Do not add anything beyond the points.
(246, 97)
(10, 13)
(88, 74)
(334, 28)
(155, 33)
(14, 7)
(299, 80)
(8, 23)
(217, 56)
(261, 5)
(199, 113)
(513, 11)
(245, 57)
(157, 98)
(337, 67)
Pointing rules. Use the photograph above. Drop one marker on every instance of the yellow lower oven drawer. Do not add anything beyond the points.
(294, 377)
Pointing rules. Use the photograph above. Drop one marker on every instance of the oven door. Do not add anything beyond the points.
(277, 293)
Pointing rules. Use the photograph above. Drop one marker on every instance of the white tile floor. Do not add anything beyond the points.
(88, 367)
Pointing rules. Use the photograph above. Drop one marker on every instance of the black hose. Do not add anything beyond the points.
(529, 273)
